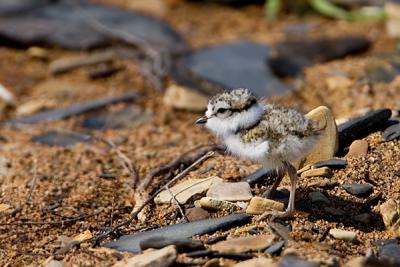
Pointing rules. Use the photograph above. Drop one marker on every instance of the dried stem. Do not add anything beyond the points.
(135, 213)
(184, 159)
(173, 197)
(33, 182)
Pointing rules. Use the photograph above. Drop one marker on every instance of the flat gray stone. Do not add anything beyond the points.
(227, 66)
(186, 190)
(239, 191)
(319, 198)
(131, 242)
(67, 24)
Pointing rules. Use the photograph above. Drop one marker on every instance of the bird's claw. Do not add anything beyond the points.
(275, 215)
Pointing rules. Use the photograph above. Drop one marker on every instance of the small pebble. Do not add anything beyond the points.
(259, 205)
(195, 214)
(230, 191)
(319, 198)
(332, 164)
(359, 148)
(281, 195)
(275, 249)
(390, 211)
(392, 132)
(362, 126)
(363, 218)
(335, 211)
(216, 204)
(324, 183)
(154, 258)
(348, 236)
(322, 172)
(358, 189)
(388, 250)
(262, 175)
(244, 244)
(295, 261)
(328, 140)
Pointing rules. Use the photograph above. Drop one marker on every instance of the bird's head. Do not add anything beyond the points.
(229, 112)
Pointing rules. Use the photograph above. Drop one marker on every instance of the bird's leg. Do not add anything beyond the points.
(293, 181)
(291, 170)
(280, 174)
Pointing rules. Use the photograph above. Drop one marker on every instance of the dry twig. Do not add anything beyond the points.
(135, 213)
(33, 182)
(184, 159)
(176, 203)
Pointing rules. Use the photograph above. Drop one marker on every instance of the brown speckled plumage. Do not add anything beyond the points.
(277, 123)
(238, 99)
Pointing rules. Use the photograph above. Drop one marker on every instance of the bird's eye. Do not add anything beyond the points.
(221, 110)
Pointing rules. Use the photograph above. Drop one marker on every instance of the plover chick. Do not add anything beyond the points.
(273, 136)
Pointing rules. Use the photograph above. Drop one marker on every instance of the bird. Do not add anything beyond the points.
(273, 136)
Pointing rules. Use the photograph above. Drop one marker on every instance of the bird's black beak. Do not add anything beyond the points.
(202, 120)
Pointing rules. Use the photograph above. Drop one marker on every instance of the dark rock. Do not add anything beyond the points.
(373, 200)
(280, 229)
(64, 139)
(333, 164)
(295, 261)
(262, 175)
(388, 250)
(397, 173)
(335, 211)
(195, 214)
(363, 218)
(183, 230)
(292, 56)
(62, 113)
(216, 239)
(280, 195)
(379, 71)
(275, 249)
(127, 117)
(358, 189)
(214, 254)
(103, 72)
(360, 127)
(74, 25)
(182, 245)
(228, 66)
(392, 132)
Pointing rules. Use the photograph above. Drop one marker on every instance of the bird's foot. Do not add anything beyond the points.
(274, 214)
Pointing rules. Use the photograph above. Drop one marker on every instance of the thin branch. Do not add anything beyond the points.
(126, 162)
(135, 213)
(183, 159)
(176, 203)
(33, 182)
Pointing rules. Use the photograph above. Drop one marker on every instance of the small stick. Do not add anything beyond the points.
(176, 203)
(126, 162)
(182, 159)
(33, 182)
(135, 213)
